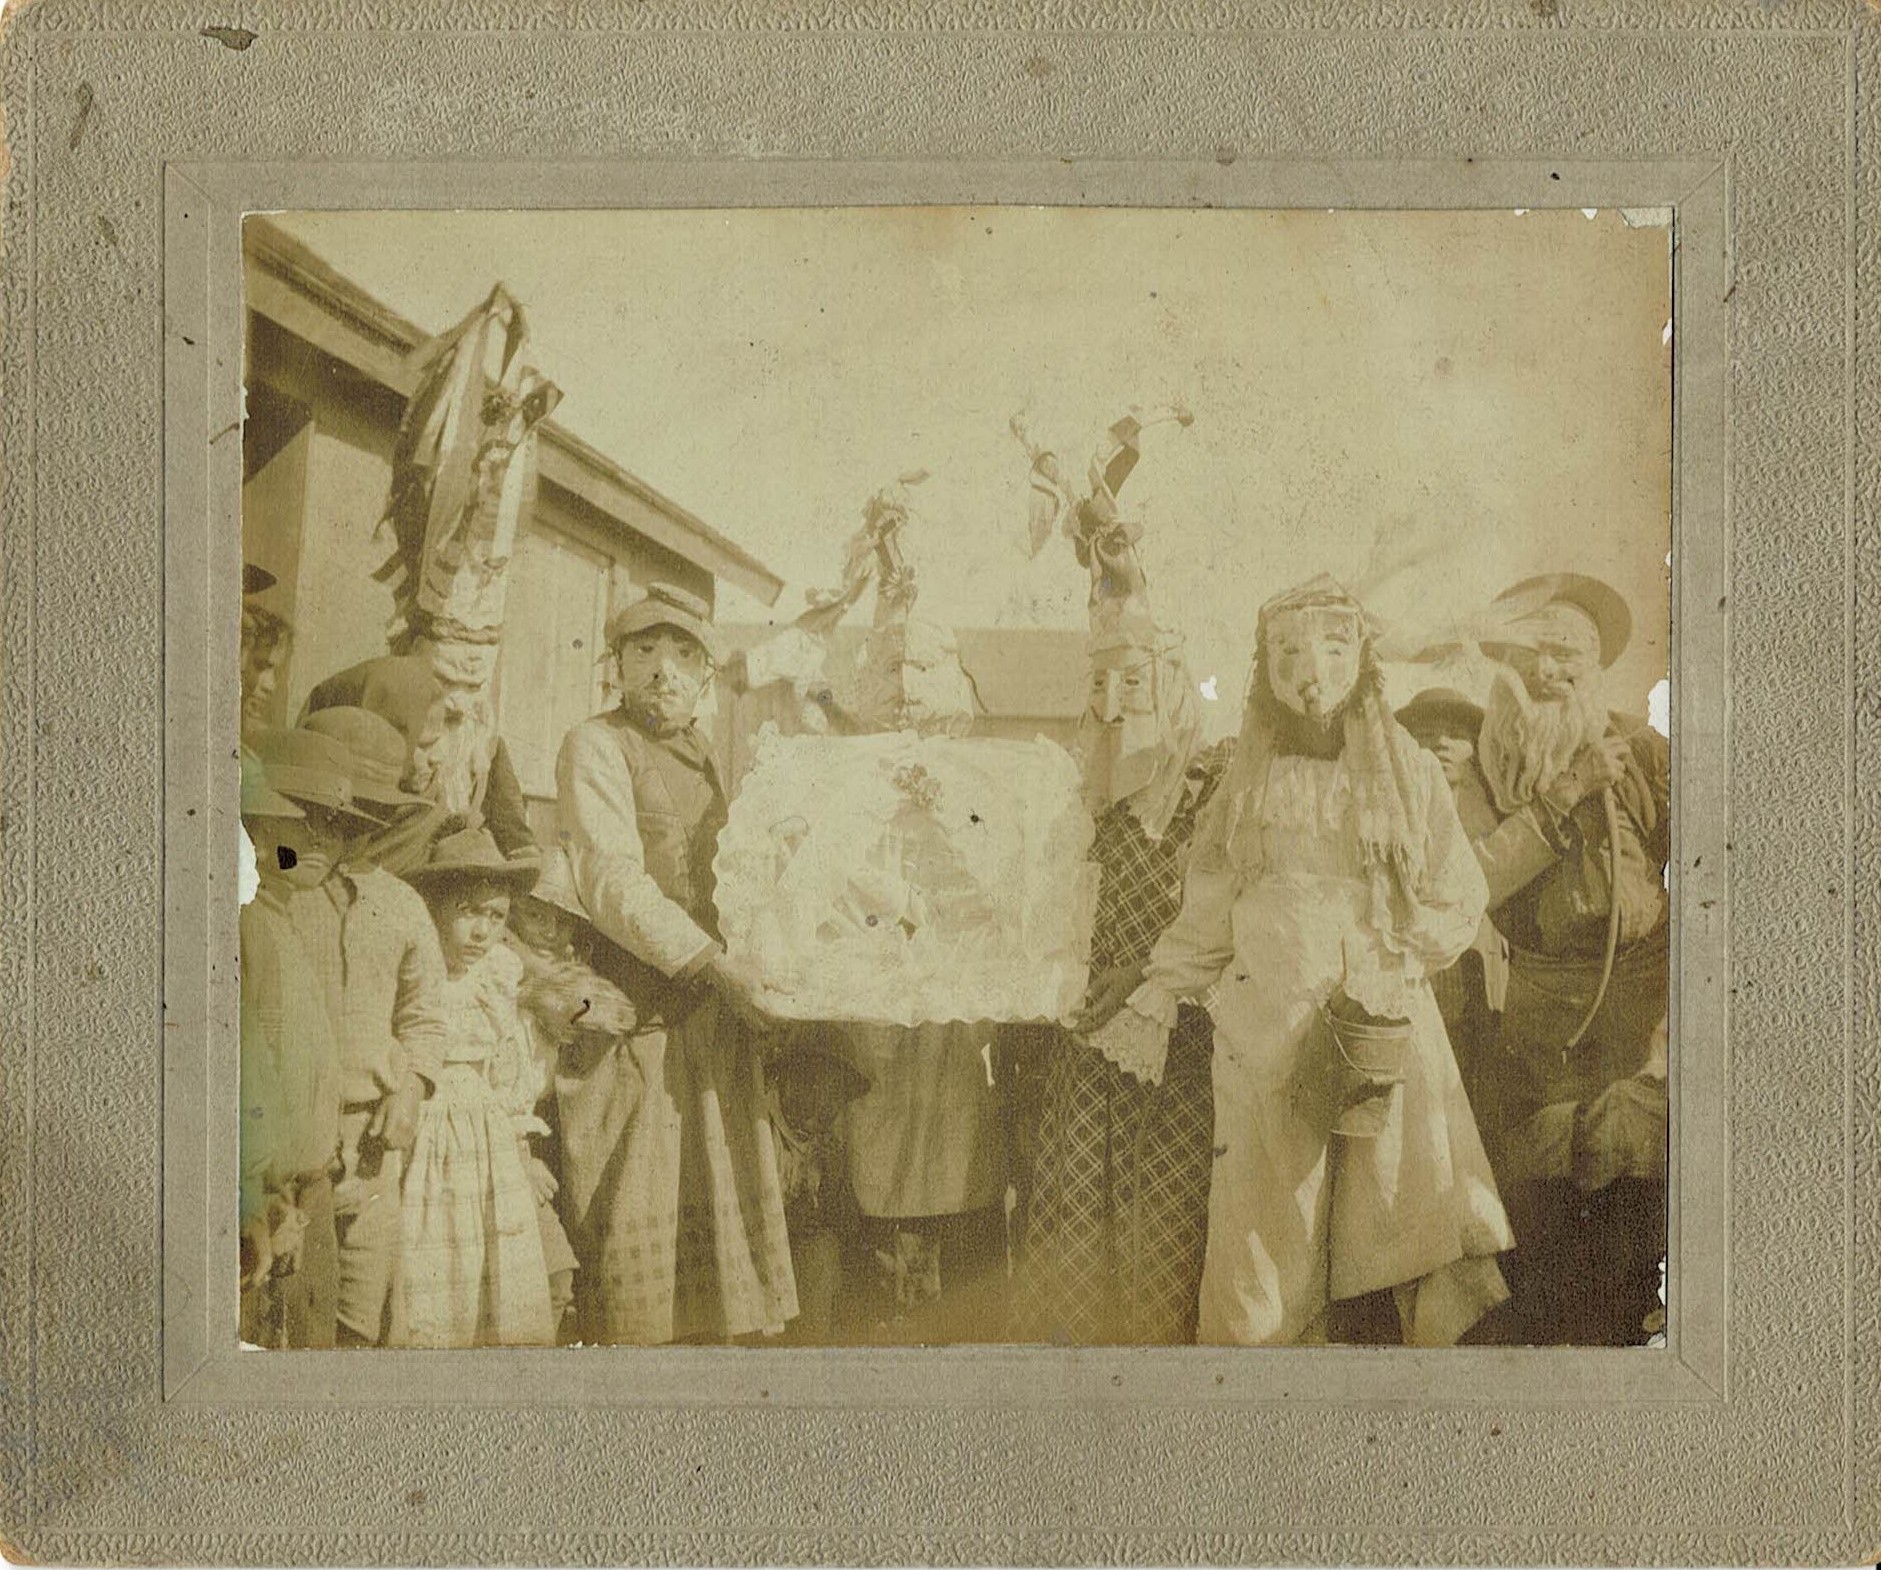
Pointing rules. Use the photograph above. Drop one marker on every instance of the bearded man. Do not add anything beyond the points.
(1116, 1216)
(1568, 809)
(1329, 879)
(437, 694)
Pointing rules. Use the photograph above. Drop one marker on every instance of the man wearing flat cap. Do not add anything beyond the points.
(670, 1251)
(1568, 809)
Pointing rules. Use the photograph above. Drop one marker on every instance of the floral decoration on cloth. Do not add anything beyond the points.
(901, 880)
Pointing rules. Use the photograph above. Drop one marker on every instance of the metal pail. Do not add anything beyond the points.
(1368, 1067)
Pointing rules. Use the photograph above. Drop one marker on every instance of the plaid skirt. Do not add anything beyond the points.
(670, 1188)
(473, 1268)
(1117, 1226)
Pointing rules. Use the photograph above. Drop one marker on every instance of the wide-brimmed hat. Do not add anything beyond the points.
(255, 579)
(259, 799)
(666, 605)
(1437, 705)
(556, 885)
(1601, 603)
(377, 751)
(314, 771)
(472, 854)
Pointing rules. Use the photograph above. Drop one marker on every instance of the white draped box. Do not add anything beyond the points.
(900, 880)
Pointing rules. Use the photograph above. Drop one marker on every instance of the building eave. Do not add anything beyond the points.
(294, 287)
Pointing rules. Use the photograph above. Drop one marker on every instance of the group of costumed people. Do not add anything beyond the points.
(1374, 1048)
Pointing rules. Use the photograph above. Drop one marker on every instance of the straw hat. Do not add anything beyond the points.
(1601, 603)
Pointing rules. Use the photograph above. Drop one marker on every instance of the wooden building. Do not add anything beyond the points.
(327, 379)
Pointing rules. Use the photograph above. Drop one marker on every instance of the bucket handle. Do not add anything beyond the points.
(1345, 1057)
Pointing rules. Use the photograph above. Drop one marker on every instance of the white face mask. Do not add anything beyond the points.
(1313, 661)
(662, 675)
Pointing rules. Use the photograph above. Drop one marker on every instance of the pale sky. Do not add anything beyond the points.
(1492, 387)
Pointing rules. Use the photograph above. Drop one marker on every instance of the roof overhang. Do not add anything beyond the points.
(293, 287)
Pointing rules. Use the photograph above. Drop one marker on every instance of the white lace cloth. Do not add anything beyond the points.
(1136, 1039)
(901, 880)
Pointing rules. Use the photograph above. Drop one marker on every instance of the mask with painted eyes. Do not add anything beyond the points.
(1556, 651)
(1312, 657)
(663, 673)
(1127, 740)
(912, 679)
(1141, 722)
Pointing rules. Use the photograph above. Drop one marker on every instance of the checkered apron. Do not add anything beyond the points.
(1118, 1213)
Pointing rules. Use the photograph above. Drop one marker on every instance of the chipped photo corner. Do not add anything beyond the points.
(936, 775)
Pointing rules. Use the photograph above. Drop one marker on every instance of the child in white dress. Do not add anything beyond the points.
(475, 1271)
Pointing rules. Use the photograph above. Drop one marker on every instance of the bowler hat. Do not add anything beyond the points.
(1601, 603)
(1441, 705)
(472, 854)
(377, 749)
(666, 605)
(314, 771)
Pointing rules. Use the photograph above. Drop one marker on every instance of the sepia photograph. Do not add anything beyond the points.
(1019, 784)
(921, 776)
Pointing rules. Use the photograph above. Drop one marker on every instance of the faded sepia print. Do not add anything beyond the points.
(860, 776)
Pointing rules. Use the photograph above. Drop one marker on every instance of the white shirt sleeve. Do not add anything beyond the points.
(601, 835)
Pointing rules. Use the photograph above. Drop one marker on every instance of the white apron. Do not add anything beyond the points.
(1300, 1217)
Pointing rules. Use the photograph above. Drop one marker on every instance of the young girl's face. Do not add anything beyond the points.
(470, 921)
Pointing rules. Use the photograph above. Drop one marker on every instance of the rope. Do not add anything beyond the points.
(1613, 919)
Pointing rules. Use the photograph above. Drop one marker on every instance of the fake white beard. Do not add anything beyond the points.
(1527, 742)
(451, 766)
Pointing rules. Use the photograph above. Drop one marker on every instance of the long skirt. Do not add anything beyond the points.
(1118, 1220)
(670, 1188)
(473, 1269)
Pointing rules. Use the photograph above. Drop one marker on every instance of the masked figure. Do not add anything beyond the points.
(925, 1153)
(1114, 1219)
(670, 1175)
(1329, 878)
(1568, 809)
(463, 479)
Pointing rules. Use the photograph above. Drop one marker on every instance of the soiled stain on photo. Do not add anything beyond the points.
(845, 777)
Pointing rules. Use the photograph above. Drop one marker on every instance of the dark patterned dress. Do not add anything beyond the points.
(1116, 1212)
